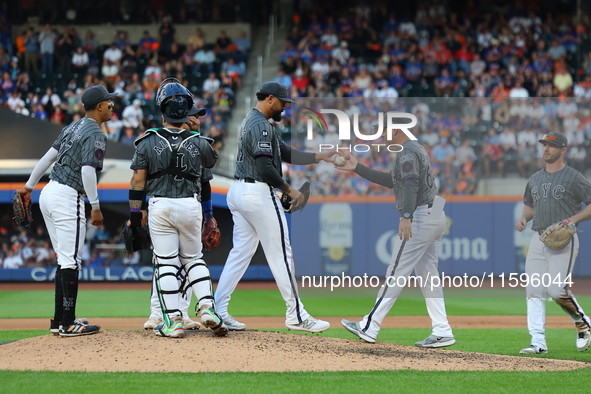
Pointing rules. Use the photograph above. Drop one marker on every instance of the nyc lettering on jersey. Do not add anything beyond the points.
(557, 191)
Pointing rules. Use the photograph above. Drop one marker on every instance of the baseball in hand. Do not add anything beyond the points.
(339, 161)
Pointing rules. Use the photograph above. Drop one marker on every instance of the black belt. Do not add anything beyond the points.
(540, 232)
(430, 205)
(248, 180)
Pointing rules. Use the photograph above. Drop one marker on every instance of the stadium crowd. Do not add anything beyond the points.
(500, 56)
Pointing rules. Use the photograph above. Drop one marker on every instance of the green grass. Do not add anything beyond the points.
(135, 303)
(299, 382)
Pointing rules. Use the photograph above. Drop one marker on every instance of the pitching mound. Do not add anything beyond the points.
(247, 351)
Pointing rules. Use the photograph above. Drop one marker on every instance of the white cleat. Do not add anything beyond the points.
(152, 322)
(311, 324)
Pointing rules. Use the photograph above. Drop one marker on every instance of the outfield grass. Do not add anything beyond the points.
(134, 303)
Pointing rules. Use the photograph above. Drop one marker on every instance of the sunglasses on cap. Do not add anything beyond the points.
(548, 137)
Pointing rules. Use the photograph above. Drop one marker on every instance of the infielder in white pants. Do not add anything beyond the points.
(553, 194)
(421, 226)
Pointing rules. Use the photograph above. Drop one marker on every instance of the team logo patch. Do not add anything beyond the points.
(264, 145)
(99, 154)
(265, 133)
(407, 166)
(100, 145)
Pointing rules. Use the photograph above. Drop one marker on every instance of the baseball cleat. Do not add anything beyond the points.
(533, 349)
(311, 324)
(355, 329)
(175, 330)
(54, 327)
(189, 324)
(210, 319)
(152, 322)
(233, 324)
(433, 341)
(78, 329)
(583, 341)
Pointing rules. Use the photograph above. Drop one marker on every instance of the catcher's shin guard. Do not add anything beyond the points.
(165, 272)
(200, 282)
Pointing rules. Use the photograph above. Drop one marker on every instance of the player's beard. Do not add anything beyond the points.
(552, 157)
(276, 115)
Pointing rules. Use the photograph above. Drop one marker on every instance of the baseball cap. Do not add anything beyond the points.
(276, 89)
(555, 138)
(95, 94)
(197, 111)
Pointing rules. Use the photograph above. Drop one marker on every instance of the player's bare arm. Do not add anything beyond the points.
(137, 196)
(526, 215)
(582, 216)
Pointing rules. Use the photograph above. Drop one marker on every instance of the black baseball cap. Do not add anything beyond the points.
(276, 89)
(555, 138)
(95, 94)
(197, 111)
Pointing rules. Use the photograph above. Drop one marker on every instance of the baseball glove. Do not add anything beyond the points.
(210, 235)
(286, 199)
(21, 208)
(558, 235)
(135, 238)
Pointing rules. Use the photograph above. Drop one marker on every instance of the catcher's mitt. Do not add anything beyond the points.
(135, 238)
(210, 235)
(21, 207)
(558, 235)
(286, 199)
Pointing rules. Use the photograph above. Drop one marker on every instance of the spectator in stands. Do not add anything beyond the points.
(96, 260)
(204, 59)
(44, 254)
(128, 136)
(444, 84)
(222, 44)
(58, 116)
(444, 154)
(31, 53)
(464, 154)
(556, 51)
(518, 91)
(113, 55)
(147, 46)
(167, 36)
(47, 41)
(243, 44)
(527, 141)
(211, 84)
(492, 154)
(197, 40)
(50, 100)
(80, 61)
(133, 115)
(90, 45)
(64, 49)
(563, 81)
(13, 260)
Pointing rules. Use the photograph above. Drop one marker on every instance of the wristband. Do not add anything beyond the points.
(95, 206)
(208, 215)
(135, 219)
(206, 206)
(137, 195)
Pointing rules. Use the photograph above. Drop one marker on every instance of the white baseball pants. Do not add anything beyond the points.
(550, 267)
(258, 215)
(63, 211)
(421, 254)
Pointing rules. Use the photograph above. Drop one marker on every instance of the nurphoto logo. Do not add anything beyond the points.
(344, 128)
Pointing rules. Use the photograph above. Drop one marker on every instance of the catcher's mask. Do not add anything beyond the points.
(174, 101)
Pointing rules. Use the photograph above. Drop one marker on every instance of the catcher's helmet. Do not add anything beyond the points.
(174, 101)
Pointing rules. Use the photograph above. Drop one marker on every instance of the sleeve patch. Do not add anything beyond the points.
(99, 154)
(407, 166)
(264, 145)
(100, 145)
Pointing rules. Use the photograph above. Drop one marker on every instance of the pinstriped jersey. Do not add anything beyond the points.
(257, 137)
(82, 143)
(413, 162)
(556, 196)
(181, 151)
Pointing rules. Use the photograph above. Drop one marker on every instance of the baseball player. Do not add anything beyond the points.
(78, 154)
(257, 211)
(206, 176)
(421, 226)
(553, 194)
(167, 167)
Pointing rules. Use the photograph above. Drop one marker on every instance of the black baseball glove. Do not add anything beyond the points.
(21, 208)
(286, 199)
(135, 238)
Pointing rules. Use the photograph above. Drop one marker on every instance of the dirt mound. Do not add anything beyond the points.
(247, 351)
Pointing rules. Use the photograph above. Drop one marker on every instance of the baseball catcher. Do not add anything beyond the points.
(21, 209)
(288, 207)
(558, 235)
